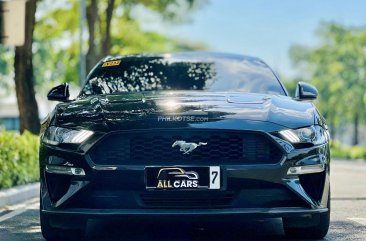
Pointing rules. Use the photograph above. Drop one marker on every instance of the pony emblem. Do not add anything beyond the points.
(188, 147)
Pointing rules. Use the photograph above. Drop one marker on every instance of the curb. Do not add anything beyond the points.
(18, 194)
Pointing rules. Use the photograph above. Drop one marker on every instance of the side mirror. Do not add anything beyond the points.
(59, 93)
(305, 91)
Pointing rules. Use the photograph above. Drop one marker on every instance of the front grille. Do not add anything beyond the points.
(155, 148)
(192, 199)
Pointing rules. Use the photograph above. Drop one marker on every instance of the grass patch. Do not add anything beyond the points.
(18, 158)
(338, 150)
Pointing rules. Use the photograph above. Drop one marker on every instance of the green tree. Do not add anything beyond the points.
(337, 68)
(24, 77)
(57, 33)
(99, 18)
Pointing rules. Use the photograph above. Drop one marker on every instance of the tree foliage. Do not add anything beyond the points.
(337, 67)
(6, 71)
(99, 19)
(57, 36)
(18, 158)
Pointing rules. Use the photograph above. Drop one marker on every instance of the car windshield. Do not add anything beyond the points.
(155, 73)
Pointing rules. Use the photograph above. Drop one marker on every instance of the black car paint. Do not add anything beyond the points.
(129, 112)
(141, 110)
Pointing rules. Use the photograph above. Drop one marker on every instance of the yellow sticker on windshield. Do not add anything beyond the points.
(111, 63)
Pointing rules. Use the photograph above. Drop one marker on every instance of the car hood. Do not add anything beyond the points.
(125, 111)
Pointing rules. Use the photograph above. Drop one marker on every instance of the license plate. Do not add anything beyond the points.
(182, 178)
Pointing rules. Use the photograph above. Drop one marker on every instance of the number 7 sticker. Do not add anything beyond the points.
(214, 177)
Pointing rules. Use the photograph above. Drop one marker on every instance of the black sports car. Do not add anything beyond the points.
(201, 135)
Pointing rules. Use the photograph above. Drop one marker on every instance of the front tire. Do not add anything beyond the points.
(317, 231)
(51, 233)
(59, 228)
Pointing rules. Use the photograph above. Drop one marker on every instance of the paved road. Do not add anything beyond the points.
(348, 218)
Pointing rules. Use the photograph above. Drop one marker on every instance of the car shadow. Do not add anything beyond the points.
(268, 229)
(26, 227)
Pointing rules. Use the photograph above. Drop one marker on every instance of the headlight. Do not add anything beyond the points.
(56, 135)
(312, 134)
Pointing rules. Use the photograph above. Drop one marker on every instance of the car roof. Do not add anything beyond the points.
(185, 55)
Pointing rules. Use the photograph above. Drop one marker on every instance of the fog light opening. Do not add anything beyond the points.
(73, 171)
(306, 169)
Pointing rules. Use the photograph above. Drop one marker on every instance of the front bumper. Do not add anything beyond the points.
(196, 213)
(247, 190)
